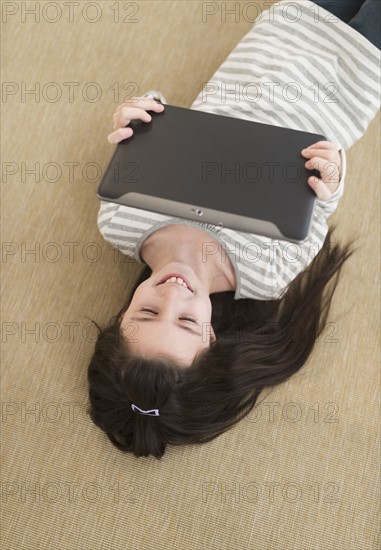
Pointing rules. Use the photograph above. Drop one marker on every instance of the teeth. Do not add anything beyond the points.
(176, 280)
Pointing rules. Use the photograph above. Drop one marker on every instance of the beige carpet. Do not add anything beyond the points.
(300, 474)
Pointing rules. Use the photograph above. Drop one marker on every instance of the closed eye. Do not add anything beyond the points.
(185, 318)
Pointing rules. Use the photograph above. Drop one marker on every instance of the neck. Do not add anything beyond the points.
(201, 253)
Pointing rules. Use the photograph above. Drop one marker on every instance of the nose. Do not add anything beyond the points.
(173, 293)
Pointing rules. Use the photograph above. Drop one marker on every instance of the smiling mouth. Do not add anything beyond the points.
(175, 276)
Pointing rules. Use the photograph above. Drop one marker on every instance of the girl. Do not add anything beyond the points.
(200, 337)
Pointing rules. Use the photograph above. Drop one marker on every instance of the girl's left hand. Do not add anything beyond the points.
(324, 157)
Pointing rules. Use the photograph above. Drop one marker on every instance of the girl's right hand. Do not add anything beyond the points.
(133, 109)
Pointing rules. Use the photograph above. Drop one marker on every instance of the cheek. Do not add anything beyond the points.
(142, 294)
(205, 311)
(139, 292)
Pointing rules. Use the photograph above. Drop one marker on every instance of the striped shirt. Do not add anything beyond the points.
(298, 67)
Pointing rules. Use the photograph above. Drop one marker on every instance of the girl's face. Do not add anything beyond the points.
(176, 321)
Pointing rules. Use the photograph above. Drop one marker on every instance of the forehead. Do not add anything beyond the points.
(178, 348)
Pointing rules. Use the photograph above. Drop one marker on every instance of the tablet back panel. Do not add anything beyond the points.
(235, 173)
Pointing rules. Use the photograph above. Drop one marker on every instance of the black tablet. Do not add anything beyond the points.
(217, 169)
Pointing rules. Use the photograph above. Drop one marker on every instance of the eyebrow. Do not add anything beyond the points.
(147, 319)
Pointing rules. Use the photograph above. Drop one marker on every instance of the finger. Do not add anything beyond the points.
(329, 170)
(127, 114)
(119, 135)
(144, 102)
(323, 145)
(320, 188)
(133, 100)
(328, 154)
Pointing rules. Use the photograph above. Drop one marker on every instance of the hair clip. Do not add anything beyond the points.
(150, 412)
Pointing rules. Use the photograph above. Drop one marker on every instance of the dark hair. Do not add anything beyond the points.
(259, 344)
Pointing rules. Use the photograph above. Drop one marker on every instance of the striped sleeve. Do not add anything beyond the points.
(106, 212)
(332, 70)
(116, 230)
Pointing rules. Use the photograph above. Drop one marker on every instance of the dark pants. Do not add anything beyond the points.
(363, 15)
